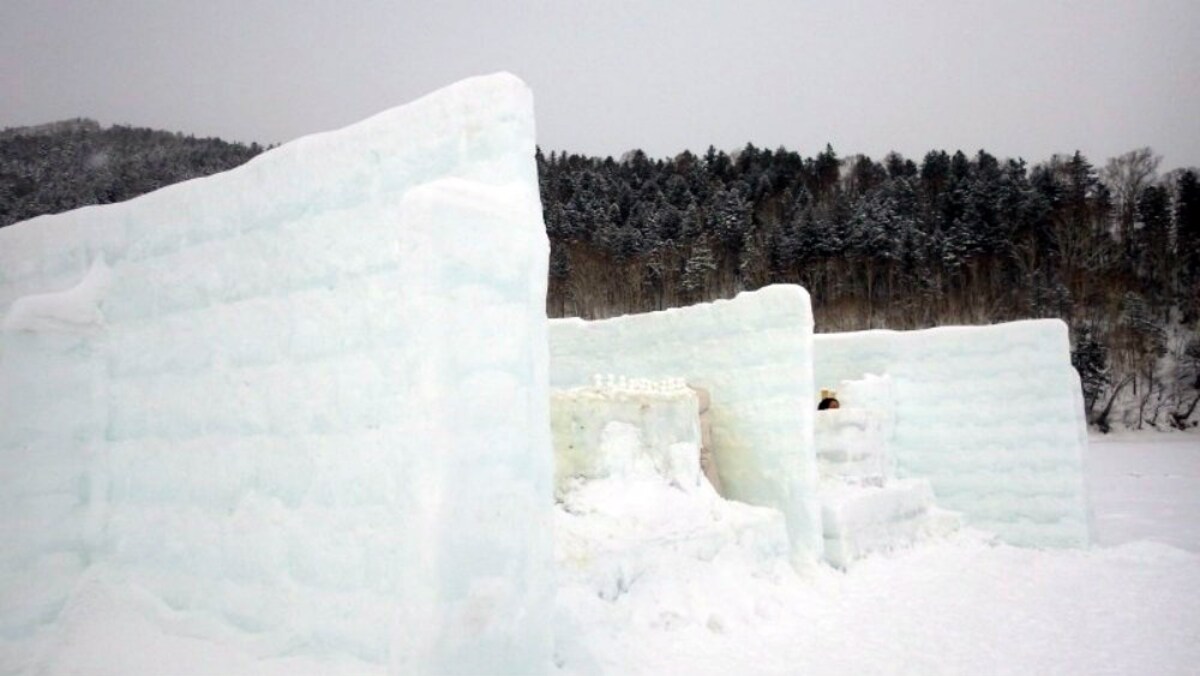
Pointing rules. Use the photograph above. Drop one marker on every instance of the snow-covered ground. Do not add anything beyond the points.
(1130, 605)
(729, 604)
(1146, 486)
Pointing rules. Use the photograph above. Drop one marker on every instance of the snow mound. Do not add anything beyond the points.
(620, 536)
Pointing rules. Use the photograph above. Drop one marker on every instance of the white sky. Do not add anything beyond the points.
(1017, 78)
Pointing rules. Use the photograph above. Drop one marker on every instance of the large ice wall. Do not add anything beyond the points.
(990, 414)
(754, 356)
(311, 407)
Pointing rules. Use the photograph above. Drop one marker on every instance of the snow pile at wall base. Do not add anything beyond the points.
(990, 415)
(753, 355)
(297, 422)
(616, 534)
(637, 510)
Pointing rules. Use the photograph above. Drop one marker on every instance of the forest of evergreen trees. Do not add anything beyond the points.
(64, 165)
(1114, 252)
(952, 239)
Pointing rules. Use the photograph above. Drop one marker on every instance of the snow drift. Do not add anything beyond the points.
(290, 419)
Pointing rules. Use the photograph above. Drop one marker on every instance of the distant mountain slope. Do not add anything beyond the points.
(63, 165)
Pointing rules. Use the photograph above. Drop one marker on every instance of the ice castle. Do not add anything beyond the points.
(308, 401)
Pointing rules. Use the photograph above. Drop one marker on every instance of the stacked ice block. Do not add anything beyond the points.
(311, 410)
(864, 508)
(991, 415)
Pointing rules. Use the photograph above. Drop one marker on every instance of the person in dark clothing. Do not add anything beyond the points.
(828, 400)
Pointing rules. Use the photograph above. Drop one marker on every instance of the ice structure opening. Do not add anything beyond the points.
(753, 357)
(289, 421)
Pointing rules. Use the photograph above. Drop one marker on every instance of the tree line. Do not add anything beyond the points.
(953, 239)
(892, 243)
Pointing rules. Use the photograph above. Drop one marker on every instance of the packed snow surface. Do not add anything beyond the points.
(1145, 487)
(963, 604)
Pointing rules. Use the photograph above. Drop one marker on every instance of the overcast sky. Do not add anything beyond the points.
(1018, 78)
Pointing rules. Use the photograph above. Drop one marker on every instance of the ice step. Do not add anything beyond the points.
(861, 520)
